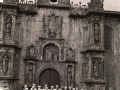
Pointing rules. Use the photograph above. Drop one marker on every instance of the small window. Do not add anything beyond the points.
(53, 1)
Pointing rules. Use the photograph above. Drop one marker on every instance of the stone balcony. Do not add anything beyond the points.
(78, 9)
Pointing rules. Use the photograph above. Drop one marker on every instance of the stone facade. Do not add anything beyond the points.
(73, 45)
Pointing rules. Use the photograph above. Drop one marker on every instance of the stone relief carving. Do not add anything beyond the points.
(95, 5)
(97, 68)
(8, 26)
(31, 72)
(69, 75)
(5, 64)
(96, 87)
(52, 26)
(30, 50)
(110, 86)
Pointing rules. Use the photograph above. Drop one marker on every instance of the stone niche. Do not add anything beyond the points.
(93, 70)
(9, 67)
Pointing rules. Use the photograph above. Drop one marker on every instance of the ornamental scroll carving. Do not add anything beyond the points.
(8, 26)
(52, 26)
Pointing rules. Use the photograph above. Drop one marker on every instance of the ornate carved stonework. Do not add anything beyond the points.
(97, 33)
(31, 50)
(70, 54)
(110, 86)
(95, 5)
(31, 72)
(96, 87)
(5, 67)
(52, 26)
(97, 68)
(8, 26)
(30, 68)
(69, 75)
(96, 29)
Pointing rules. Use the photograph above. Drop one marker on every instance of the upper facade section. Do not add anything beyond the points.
(56, 3)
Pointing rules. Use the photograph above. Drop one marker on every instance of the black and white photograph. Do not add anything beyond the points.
(59, 44)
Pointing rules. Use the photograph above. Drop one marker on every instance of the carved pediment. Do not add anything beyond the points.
(52, 26)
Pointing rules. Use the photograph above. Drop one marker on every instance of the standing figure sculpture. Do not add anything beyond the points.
(96, 69)
(5, 64)
(96, 33)
(48, 53)
(8, 26)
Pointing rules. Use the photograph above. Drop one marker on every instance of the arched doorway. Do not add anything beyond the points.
(51, 52)
(50, 77)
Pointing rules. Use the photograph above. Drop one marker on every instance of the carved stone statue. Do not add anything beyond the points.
(96, 33)
(48, 53)
(69, 54)
(8, 26)
(5, 64)
(31, 72)
(96, 69)
(30, 50)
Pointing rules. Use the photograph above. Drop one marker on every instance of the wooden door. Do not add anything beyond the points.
(50, 77)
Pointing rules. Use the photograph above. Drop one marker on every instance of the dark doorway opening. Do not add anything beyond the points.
(50, 77)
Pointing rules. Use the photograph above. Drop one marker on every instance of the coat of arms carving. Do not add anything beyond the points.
(52, 26)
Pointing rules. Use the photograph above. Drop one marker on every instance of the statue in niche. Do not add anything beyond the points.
(48, 52)
(96, 33)
(8, 26)
(70, 54)
(96, 69)
(30, 50)
(5, 64)
(31, 70)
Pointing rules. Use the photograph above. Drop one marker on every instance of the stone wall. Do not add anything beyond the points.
(112, 68)
(31, 29)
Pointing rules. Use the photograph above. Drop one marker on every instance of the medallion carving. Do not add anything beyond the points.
(52, 26)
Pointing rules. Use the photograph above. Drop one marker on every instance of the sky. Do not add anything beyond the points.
(113, 5)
